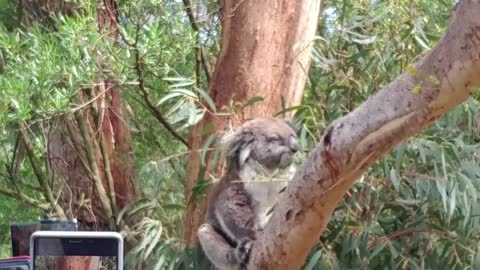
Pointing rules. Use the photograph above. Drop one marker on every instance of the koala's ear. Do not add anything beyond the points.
(238, 140)
(228, 139)
(244, 154)
(231, 142)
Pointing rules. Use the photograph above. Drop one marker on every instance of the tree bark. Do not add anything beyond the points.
(118, 138)
(446, 76)
(77, 263)
(41, 11)
(255, 60)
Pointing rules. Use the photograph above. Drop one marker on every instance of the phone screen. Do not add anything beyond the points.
(75, 254)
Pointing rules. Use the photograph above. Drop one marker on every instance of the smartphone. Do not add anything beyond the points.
(58, 250)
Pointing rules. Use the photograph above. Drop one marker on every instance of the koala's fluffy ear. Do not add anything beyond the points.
(238, 143)
(228, 140)
(244, 154)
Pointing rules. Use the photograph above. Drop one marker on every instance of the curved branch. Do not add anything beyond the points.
(446, 76)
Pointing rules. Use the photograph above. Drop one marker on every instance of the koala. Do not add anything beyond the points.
(241, 203)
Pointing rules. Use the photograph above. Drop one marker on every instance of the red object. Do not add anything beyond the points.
(19, 262)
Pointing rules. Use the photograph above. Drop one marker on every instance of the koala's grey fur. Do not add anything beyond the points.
(242, 201)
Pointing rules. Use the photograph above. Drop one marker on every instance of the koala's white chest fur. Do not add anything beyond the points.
(264, 194)
(264, 191)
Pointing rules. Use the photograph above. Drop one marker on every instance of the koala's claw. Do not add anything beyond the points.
(244, 249)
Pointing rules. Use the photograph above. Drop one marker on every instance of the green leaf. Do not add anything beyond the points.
(252, 101)
(421, 151)
(206, 147)
(378, 248)
(394, 179)
(453, 201)
(154, 241)
(365, 41)
(421, 42)
(207, 99)
(313, 260)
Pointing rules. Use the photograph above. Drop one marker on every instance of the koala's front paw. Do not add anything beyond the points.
(243, 250)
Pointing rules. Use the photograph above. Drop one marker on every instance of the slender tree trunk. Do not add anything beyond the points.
(118, 139)
(265, 52)
(447, 75)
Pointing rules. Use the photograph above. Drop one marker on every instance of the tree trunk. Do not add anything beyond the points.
(41, 11)
(446, 77)
(256, 59)
(116, 130)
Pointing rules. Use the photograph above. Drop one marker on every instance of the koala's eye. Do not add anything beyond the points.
(273, 139)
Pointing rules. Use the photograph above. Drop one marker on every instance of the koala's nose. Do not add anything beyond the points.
(292, 144)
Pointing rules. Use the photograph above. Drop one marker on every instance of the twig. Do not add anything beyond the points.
(153, 109)
(201, 51)
(74, 143)
(395, 235)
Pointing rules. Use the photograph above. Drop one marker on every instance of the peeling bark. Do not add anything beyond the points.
(255, 60)
(447, 75)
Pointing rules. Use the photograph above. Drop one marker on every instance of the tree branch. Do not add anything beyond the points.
(41, 177)
(24, 198)
(144, 93)
(130, 237)
(201, 52)
(14, 178)
(75, 144)
(98, 113)
(395, 235)
(95, 172)
(350, 145)
(17, 158)
(108, 173)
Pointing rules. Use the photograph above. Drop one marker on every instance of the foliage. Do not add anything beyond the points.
(42, 71)
(10, 214)
(40, 85)
(417, 208)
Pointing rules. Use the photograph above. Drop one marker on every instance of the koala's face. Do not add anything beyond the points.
(271, 142)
